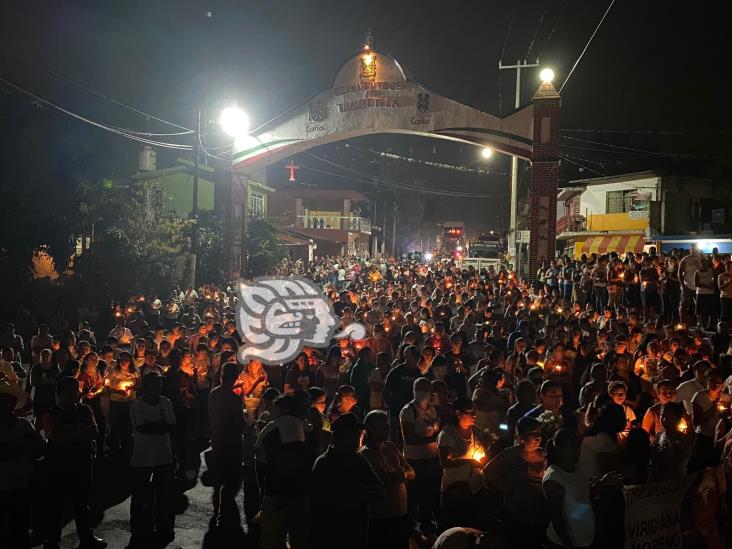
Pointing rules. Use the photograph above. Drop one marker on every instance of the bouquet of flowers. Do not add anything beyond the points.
(550, 423)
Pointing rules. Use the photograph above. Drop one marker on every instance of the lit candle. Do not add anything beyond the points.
(558, 368)
(476, 453)
(722, 407)
(683, 426)
(125, 386)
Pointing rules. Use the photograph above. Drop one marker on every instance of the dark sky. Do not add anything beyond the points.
(654, 65)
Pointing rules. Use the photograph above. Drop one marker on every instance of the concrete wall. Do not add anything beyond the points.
(594, 200)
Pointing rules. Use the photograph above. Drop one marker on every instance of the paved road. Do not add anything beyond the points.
(191, 525)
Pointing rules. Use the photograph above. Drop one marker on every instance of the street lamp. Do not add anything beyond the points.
(234, 122)
(487, 152)
(546, 75)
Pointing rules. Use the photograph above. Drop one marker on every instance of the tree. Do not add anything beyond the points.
(210, 265)
(264, 250)
(136, 250)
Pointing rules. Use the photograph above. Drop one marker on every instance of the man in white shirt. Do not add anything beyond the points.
(121, 332)
(686, 391)
(152, 419)
(687, 268)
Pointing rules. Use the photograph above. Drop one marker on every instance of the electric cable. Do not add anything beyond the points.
(95, 123)
(538, 28)
(587, 45)
(101, 95)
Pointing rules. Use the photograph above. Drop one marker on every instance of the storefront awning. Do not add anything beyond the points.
(605, 244)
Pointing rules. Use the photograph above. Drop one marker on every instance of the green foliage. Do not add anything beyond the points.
(264, 250)
(209, 267)
(135, 250)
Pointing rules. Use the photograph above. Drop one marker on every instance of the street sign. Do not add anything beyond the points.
(523, 236)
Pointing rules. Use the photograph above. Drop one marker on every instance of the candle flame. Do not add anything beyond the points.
(477, 453)
(683, 426)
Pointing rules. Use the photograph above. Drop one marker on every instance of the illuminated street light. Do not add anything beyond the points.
(546, 75)
(234, 121)
(487, 152)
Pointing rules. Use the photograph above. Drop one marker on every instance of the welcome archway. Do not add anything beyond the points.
(371, 93)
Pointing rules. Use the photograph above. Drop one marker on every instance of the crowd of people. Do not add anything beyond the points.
(481, 408)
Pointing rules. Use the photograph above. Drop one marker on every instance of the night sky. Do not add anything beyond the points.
(653, 66)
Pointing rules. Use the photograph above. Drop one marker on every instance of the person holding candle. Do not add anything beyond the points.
(515, 475)
(252, 382)
(665, 392)
(707, 406)
(618, 392)
(91, 384)
(672, 448)
(463, 452)
(121, 381)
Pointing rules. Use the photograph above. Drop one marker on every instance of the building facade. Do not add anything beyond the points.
(631, 212)
(337, 221)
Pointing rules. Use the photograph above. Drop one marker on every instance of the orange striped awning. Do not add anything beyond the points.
(620, 243)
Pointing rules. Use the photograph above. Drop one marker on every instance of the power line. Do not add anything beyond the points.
(567, 158)
(400, 185)
(101, 95)
(94, 123)
(411, 160)
(500, 57)
(647, 132)
(538, 28)
(587, 45)
(554, 28)
(596, 162)
(643, 151)
(508, 33)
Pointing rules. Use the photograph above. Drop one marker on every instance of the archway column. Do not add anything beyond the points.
(544, 177)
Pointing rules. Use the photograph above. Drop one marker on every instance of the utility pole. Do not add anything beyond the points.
(393, 231)
(514, 161)
(197, 139)
(194, 206)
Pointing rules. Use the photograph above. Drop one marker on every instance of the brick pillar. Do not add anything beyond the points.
(544, 175)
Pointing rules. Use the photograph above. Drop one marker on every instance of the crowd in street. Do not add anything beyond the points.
(481, 408)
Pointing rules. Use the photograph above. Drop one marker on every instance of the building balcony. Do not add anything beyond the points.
(340, 222)
(571, 223)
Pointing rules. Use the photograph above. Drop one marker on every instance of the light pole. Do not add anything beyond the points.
(514, 160)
